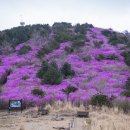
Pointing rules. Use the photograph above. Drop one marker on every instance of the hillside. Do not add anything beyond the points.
(60, 62)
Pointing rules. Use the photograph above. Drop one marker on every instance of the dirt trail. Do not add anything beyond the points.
(32, 121)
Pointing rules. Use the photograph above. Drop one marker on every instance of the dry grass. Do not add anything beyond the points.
(64, 107)
(99, 119)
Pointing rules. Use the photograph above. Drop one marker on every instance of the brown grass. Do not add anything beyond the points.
(99, 119)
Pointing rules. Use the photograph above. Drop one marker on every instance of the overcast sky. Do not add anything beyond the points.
(101, 13)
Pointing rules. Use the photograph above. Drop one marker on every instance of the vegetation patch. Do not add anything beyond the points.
(100, 57)
(38, 92)
(98, 44)
(127, 85)
(124, 105)
(24, 50)
(25, 77)
(44, 68)
(112, 57)
(52, 75)
(78, 40)
(82, 28)
(87, 58)
(126, 55)
(100, 100)
(116, 38)
(69, 89)
(126, 93)
(66, 70)
(69, 49)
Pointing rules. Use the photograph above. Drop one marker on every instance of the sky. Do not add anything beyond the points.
(113, 14)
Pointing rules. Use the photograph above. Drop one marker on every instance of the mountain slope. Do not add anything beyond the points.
(98, 65)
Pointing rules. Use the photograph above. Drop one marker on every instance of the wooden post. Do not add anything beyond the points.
(9, 106)
(21, 105)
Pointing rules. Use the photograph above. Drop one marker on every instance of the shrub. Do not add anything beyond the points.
(100, 100)
(127, 60)
(52, 75)
(126, 93)
(3, 79)
(43, 51)
(69, 89)
(116, 38)
(42, 70)
(49, 47)
(38, 92)
(24, 50)
(82, 28)
(78, 40)
(107, 33)
(63, 37)
(15, 35)
(127, 85)
(77, 44)
(98, 44)
(112, 57)
(79, 37)
(69, 49)
(66, 70)
(87, 58)
(25, 77)
(60, 27)
(0, 89)
(124, 105)
(126, 55)
(100, 57)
